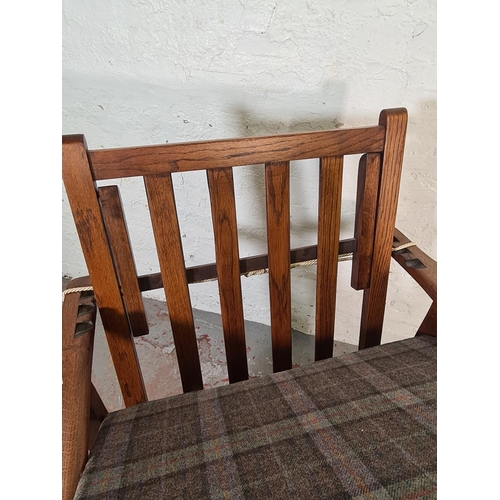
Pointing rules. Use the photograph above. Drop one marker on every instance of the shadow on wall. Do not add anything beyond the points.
(122, 111)
(304, 177)
(420, 135)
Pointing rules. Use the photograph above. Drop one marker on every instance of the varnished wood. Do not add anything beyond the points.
(373, 309)
(182, 157)
(81, 281)
(119, 240)
(221, 187)
(278, 246)
(196, 274)
(97, 407)
(76, 393)
(364, 223)
(378, 189)
(330, 196)
(165, 224)
(429, 323)
(425, 277)
(88, 219)
(98, 412)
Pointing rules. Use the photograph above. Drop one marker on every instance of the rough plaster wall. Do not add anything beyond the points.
(148, 72)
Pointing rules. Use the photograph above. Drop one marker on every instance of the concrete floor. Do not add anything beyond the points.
(157, 357)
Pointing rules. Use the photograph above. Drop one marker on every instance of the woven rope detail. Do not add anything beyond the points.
(75, 290)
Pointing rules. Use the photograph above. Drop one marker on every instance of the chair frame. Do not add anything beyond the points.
(102, 230)
(82, 407)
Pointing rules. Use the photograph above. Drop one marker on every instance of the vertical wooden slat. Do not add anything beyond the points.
(124, 260)
(330, 196)
(82, 197)
(278, 247)
(221, 187)
(372, 314)
(160, 193)
(364, 223)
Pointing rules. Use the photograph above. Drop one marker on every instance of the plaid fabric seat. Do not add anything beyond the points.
(362, 425)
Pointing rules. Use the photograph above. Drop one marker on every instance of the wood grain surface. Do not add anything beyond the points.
(364, 222)
(329, 202)
(221, 187)
(165, 224)
(182, 157)
(84, 203)
(373, 309)
(121, 249)
(76, 391)
(278, 246)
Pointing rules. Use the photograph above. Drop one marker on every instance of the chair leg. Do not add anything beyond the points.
(429, 324)
(98, 412)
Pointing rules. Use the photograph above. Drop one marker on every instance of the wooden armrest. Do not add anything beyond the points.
(421, 267)
(78, 325)
(79, 282)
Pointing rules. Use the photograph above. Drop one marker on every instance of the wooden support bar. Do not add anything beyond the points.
(82, 196)
(426, 277)
(221, 187)
(195, 274)
(364, 225)
(330, 196)
(372, 314)
(278, 246)
(163, 212)
(119, 240)
(76, 393)
(98, 412)
(429, 324)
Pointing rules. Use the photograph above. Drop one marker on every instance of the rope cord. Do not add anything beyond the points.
(342, 257)
(76, 289)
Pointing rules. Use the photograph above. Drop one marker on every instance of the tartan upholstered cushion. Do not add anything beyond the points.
(362, 425)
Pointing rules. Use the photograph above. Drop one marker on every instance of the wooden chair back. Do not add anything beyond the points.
(102, 230)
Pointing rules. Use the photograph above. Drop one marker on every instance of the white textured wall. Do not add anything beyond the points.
(147, 72)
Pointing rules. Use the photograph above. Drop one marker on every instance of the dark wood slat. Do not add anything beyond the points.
(364, 224)
(163, 212)
(82, 197)
(330, 197)
(372, 314)
(182, 157)
(278, 246)
(202, 272)
(121, 249)
(221, 187)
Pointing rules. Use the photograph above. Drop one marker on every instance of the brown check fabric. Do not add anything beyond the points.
(358, 426)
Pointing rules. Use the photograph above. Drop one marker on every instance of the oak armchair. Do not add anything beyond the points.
(356, 426)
